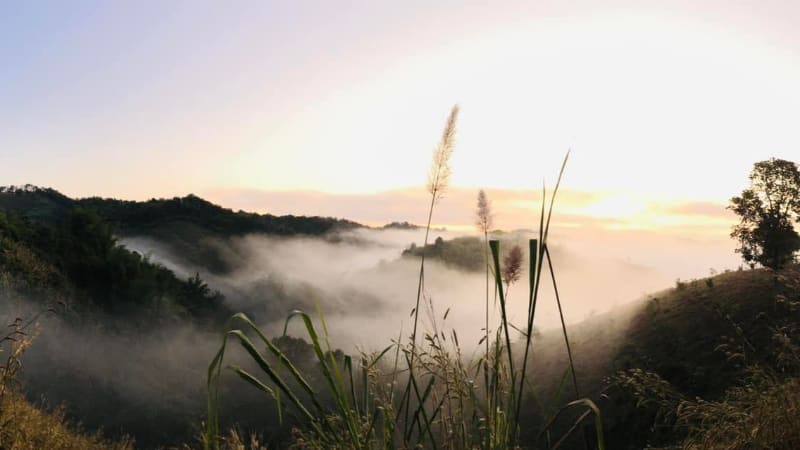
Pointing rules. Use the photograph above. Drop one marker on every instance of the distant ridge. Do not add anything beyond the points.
(401, 226)
(188, 226)
(134, 217)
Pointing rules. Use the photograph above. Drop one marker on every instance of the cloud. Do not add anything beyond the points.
(513, 208)
(711, 210)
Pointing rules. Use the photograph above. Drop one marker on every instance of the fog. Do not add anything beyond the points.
(152, 384)
(149, 384)
(366, 290)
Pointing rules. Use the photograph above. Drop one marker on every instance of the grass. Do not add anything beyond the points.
(761, 414)
(24, 426)
(716, 364)
(418, 392)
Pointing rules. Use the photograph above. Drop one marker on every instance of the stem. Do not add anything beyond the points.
(421, 276)
(563, 325)
(489, 403)
(407, 399)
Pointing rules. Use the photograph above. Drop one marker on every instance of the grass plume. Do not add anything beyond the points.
(439, 174)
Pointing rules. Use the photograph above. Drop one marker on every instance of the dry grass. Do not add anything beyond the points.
(760, 415)
(23, 426)
(745, 392)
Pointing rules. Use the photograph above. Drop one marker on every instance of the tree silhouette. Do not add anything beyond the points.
(768, 211)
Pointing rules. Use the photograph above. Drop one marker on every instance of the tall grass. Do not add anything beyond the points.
(418, 392)
(484, 220)
(761, 400)
(24, 425)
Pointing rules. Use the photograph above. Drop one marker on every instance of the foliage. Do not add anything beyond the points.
(188, 226)
(140, 217)
(25, 426)
(404, 225)
(132, 217)
(464, 252)
(760, 414)
(732, 385)
(768, 210)
(79, 259)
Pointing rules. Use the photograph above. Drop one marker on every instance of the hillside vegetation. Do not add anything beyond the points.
(466, 252)
(188, 225)
(78, 263)
(717, 346)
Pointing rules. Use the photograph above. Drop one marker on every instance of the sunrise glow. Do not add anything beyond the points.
(664, 109)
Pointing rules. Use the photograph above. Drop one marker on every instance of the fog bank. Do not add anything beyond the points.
(366, 290)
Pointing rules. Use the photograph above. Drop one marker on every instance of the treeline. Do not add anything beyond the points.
(56, 247)
(77, 260)
(465, 253)
(136, 217)
(187, 226)
(132, 217)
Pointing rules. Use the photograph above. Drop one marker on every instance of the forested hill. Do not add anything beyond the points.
(153, 216)
(53, 246)
(189, 226)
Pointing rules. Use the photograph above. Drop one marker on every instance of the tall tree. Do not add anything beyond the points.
(768, 212)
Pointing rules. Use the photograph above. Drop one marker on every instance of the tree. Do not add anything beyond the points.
(768, 211)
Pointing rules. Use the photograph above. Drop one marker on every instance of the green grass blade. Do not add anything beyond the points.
(563, 323)
(348, 368)
(332, 377)
(591, 409)
(284, 360)
(423, 414)
(267, 368)
(251, 379)
(553, 197)
(380, 355)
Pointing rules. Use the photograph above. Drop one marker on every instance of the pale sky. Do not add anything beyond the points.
(333, 107)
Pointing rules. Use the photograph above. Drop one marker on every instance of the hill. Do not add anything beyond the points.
(466, 252)
(133, 217)
(78, 263)
(188, 226)
(703, 339)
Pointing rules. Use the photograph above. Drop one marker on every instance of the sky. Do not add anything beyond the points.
(333, 108)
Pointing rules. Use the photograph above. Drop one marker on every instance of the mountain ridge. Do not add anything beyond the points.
(45, 203)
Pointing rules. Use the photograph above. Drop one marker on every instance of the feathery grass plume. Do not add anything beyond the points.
(483, 213)
(483, 220)
(438, 178)
(512, 266)
(439, 175)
